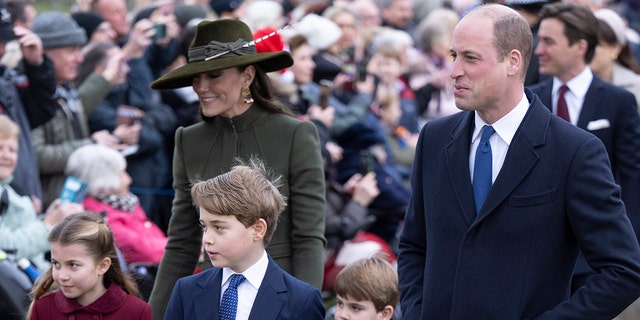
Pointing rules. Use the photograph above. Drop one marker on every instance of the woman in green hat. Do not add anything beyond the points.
(241, 118)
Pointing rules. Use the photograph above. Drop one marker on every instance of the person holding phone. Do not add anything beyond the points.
(308, 94)
(103, 169)
(143, 128)
(54, 141)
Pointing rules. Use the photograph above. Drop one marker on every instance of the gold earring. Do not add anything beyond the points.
(246, 94)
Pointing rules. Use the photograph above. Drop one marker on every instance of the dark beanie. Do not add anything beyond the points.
(224, 7)
(57, 29)
(186, 13)
(88, 21)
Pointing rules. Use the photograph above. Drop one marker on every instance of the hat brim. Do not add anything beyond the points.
(183, 76)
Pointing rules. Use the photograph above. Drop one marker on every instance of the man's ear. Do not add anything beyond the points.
(259, 230)
(515, 60)
(582, 45)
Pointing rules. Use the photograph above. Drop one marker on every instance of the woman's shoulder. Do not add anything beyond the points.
(625, 77)
(192, 128)
(284, 121)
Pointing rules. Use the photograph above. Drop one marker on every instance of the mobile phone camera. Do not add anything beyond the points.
(161, 31)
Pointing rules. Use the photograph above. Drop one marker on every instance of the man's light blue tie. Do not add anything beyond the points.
(229, 304)
(482, 168)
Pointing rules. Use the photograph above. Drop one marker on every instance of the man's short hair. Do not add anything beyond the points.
(579, 23)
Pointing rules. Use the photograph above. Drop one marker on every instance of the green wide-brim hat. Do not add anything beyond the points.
(218, 45)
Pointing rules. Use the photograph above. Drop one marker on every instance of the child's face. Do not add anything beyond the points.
(391, 115)
(8, 157)
(78, 275)
(347, 308)
(387, 68)
(230, 244)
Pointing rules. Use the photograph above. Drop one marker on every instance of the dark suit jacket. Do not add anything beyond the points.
(554, 195)
(280, 296)
(621, 137)
(609, 104)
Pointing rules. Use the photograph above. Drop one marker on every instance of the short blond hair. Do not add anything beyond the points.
(248, 192)
(8, 128)
(369, 279)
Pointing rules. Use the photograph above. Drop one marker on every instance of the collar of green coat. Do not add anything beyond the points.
(240, 123)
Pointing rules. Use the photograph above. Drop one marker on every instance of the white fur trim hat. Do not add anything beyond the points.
(321, 32)
(615, 22)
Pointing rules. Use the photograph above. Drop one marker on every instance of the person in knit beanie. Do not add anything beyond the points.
(96, 28)
(57, 29)
(54, 141)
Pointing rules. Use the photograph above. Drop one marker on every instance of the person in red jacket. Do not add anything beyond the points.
(85, 269)
(104, 170)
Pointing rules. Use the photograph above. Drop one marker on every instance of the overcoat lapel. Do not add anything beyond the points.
(521, 157)
(458, 157)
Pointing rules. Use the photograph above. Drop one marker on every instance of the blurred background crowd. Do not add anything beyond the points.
(368, 73)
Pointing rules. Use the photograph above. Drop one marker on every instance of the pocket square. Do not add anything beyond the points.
(598, 124)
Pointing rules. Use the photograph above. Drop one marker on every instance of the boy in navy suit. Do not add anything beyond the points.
(238, 214)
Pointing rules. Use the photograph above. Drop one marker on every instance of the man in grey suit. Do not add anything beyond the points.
(568, 37)
(510, 254)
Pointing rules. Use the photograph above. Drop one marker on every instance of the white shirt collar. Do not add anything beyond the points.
(506, 126)
(253, 274)
(578, 86)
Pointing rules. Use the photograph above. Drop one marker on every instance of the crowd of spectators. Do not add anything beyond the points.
(368, 73)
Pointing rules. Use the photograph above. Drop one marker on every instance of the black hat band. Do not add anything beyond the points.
(217, 49)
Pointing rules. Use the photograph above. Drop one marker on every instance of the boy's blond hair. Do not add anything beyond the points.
(8, 128)
(370, 279)
(246, 192)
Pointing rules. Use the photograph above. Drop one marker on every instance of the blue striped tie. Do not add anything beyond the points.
(482, 168)
(229, 304)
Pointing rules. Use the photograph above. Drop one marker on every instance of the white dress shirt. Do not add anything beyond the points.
(578, 87)
(505, 129)
(248, 289)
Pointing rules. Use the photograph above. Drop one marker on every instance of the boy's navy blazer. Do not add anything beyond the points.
(281, 296)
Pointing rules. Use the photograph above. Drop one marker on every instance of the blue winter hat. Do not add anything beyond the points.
(57, 29)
